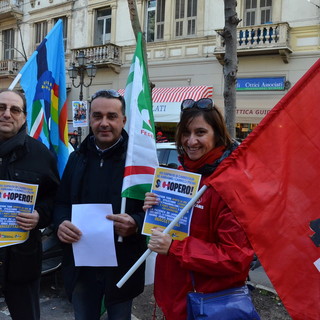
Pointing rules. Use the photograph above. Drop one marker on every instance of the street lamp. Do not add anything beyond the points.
(79, 70)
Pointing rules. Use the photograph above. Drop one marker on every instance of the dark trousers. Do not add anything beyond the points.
(88, 295)
(23, 300)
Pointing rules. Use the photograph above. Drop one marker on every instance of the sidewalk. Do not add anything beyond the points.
(260, 280)
(54, 304)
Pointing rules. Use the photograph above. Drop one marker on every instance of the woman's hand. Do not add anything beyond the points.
(150, 200)
(159, 242)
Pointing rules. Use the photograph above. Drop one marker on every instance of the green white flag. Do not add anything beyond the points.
(141, 157)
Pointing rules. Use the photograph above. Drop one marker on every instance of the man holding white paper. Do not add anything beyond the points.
(94, 176)
(97, 234)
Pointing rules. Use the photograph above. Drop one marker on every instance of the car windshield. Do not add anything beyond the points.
(167, 155)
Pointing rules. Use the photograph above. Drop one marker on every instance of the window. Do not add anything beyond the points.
(41, 31)
(65, 30)
(265, 7)
(102, 26)
(155, 20)
(185, 17)
(257, 12)
(8, 44)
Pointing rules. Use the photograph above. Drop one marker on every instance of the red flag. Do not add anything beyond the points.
(272, 184)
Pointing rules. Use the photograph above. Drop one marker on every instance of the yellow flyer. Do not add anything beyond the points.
(15, 197)
(175, 189)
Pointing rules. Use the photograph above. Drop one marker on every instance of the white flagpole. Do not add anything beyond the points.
(166, 230)
(123, 205)
(122, 210)
(19, 75)
(15, 81)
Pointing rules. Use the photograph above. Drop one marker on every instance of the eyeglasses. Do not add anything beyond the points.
(202, 104)
(108, 94)
(15, 111)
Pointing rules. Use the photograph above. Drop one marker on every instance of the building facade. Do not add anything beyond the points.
(278, 41)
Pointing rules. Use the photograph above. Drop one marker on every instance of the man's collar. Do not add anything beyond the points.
(104, 150)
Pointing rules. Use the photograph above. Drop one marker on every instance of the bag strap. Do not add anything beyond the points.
(193, 281)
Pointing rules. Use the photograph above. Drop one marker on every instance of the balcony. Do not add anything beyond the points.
(258, 40)
(10, 9)
(9, 68)
(107, 55)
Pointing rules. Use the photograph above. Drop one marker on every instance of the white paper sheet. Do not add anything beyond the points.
(96, 247)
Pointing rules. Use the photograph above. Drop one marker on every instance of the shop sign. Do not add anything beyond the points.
(252, 112)
(261, 84)
(166, 111)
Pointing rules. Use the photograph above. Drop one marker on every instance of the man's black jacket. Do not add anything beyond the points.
(92, 176)
(27, 160)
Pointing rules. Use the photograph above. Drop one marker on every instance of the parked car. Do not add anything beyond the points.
(51, 251)
(168, 155)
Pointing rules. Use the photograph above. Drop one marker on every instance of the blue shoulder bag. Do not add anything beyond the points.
(229, 304)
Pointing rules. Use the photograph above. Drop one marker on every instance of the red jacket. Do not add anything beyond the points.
(217, 251)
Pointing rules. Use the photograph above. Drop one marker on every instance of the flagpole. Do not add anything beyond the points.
(19, 75)
(166, 230)
(122, 210)
(15, 81)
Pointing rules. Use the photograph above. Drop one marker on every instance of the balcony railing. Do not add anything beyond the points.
(4, 5)
(103, 55)
(10, 67)
(257, 40)
(10, 8)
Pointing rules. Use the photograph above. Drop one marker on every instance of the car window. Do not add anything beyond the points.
(161, 155)
(167, 155)
(173, 158)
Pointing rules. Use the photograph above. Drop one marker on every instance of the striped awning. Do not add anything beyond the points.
(166, 101)
(178, 94)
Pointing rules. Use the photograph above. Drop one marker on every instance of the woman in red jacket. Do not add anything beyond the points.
(217, 251)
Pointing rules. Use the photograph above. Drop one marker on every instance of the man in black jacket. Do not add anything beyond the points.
(26, 160)
(94, 174)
